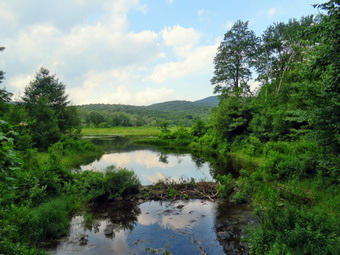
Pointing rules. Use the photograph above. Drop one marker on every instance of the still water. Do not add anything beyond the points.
(149, 163)
(179, 227)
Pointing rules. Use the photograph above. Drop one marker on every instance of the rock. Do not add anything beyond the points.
(180, 206)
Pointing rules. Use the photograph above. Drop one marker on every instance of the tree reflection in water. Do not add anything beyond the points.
(122, 215)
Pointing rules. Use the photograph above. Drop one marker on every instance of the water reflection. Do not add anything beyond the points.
(151, 166)
(186, 227)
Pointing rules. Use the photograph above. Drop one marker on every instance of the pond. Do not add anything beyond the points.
(149, 163)
(149, 227)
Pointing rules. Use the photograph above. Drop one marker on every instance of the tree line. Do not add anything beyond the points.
(285, 135)
(43, 114)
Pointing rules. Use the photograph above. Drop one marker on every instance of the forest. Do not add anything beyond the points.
(285, 134)
(177, 113)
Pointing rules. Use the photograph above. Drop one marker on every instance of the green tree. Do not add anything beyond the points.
(324, 76)
(234, 59)
(164, 126)
(282, 44)
(47, 105)
(44, 127)
(232, 117)
(71, 122)
(47, 86)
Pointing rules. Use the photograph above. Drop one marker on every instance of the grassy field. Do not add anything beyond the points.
(124, 131)
(70, 160)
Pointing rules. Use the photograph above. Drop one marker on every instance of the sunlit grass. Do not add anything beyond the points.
(124, 131)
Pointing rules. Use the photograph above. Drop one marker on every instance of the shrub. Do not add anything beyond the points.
(226, 185)
(285, 160)
(49, 220)
(107, 185)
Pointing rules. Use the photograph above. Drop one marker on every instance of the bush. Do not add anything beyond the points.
(290, 230)
(285, 160)
(226, 185)
(50, 220)
(113, 183)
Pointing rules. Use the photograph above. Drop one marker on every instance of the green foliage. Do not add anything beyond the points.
(232, 117)
(234, 59)
(199, 128)
(226, 185)
(288, 229)
(110, 184)
(177, 113)
(50, 220)
(164, 127)
(286, 160)
(45, 99)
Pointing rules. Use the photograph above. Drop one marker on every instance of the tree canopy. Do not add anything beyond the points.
(234, 59)
(47, 105)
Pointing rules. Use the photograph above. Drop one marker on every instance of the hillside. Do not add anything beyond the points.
(182, 105)
(208, 101)
(177, 112)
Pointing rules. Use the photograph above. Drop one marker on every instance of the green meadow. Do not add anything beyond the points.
(124, 131)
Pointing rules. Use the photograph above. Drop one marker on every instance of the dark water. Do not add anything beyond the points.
(180, 227)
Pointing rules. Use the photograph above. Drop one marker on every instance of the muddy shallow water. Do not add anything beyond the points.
(181, 227)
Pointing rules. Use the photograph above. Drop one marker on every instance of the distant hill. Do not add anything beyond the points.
(177, 112)
(182, 105)
(208, 101)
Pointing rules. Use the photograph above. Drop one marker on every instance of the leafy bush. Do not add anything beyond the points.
(49, 220)
(285, 160)
(199, 128)
(107, 185)
(285, 229)
(226, 185)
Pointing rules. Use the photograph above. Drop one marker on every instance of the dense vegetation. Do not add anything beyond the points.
(287, 132)
(39, 145)
(290, 126)
(177, 113)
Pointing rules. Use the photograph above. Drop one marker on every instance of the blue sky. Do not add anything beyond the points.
(127, 51)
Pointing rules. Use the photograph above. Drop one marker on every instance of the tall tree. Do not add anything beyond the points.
(46, 103)
(46, 85)
(282, 45)
(234, 59)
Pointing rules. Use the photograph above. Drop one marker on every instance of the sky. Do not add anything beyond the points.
(136, 52)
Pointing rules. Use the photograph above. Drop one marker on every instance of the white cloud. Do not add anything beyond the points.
(178, 36)
(170, 1)
(228, 25)
(112, 87)
(181, 39)
(198, 59)
(272, 11)
(92, 51)
(20, 81)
